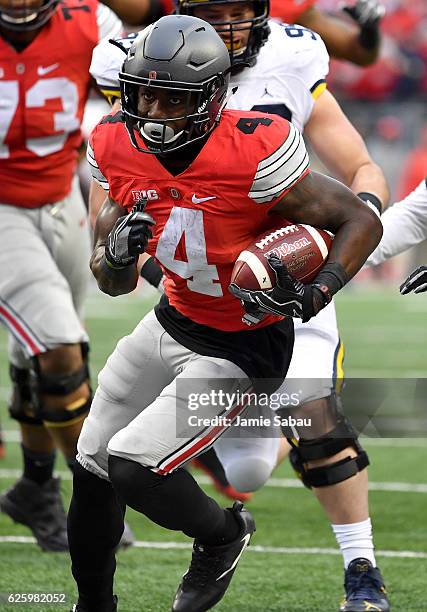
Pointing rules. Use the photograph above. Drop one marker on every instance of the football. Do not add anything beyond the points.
(301, 247)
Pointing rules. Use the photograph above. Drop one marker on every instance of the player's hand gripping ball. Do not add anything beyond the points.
(273, 275)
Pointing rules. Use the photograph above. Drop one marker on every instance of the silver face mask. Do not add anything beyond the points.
(159, 132)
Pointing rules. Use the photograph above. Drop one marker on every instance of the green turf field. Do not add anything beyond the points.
(292, 565)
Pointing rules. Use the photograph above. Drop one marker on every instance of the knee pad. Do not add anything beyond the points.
(60, 385)
(342, 436)
(248, 474)
(21, 403)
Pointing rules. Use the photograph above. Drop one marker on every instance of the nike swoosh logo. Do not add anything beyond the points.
(42, 70)
(197, 200)
(245, 541)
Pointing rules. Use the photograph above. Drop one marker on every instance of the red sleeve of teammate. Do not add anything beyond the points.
(167, 6)
(289, 11)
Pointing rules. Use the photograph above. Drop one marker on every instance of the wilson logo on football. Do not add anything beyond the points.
(286, 248)
(144, 194)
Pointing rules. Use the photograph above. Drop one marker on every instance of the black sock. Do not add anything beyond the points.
(38, 467)
(225, 533)
(95, 526)
(174, 501)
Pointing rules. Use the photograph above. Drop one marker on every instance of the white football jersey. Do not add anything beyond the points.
(107, 60)
(288, 76)
(404, 226)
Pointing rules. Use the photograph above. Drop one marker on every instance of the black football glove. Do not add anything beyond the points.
(128, 239)
(288, 298)
(368, 14)
(416, 282)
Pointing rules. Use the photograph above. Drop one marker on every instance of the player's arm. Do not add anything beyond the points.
(404, 226)
(97, 197)
(342, 150)
(323, 202)
(119, 239)
(358, 43)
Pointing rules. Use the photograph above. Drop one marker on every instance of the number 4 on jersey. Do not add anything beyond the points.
(187, 224)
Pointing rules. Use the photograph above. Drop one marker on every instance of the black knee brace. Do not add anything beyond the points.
(59, 384)
(342, 436)
(21, 403)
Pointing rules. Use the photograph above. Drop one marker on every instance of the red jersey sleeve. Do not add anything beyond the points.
(284, 162)
(289, 11)
(91, 157)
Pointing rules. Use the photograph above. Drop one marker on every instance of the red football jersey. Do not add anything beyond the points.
(288, 11)
(43, 90)
(210, 212)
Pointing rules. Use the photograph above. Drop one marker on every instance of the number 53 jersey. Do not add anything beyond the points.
(43, 90)
(206, 215)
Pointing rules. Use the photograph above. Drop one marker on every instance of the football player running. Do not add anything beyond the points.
(286, 76)
(358, 43)
(172, 136)
(45, 53)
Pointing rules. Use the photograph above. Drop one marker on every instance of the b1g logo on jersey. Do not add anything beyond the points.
(144, 194)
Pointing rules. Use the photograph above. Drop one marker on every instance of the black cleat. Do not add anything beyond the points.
(40, 508)
(212, 568)
(79, 608)
(364, 588)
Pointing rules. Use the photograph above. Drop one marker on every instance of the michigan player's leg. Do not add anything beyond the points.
(48, 355)
(149, 437)
(331, 461)
(248, 453)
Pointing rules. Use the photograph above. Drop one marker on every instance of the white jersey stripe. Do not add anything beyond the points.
(20, 330)
(277, 169)
(91, 155)
(109, 25)
(276, 189)
(269, 194)
(281, 169)
(94, 168)
(276, 165)
(282, 150)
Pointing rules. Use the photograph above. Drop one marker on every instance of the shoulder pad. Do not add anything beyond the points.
(115, 118)
(107, 60)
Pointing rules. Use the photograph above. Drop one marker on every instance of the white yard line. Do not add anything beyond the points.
(13, 435)
(275, 483)
(269, 550)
